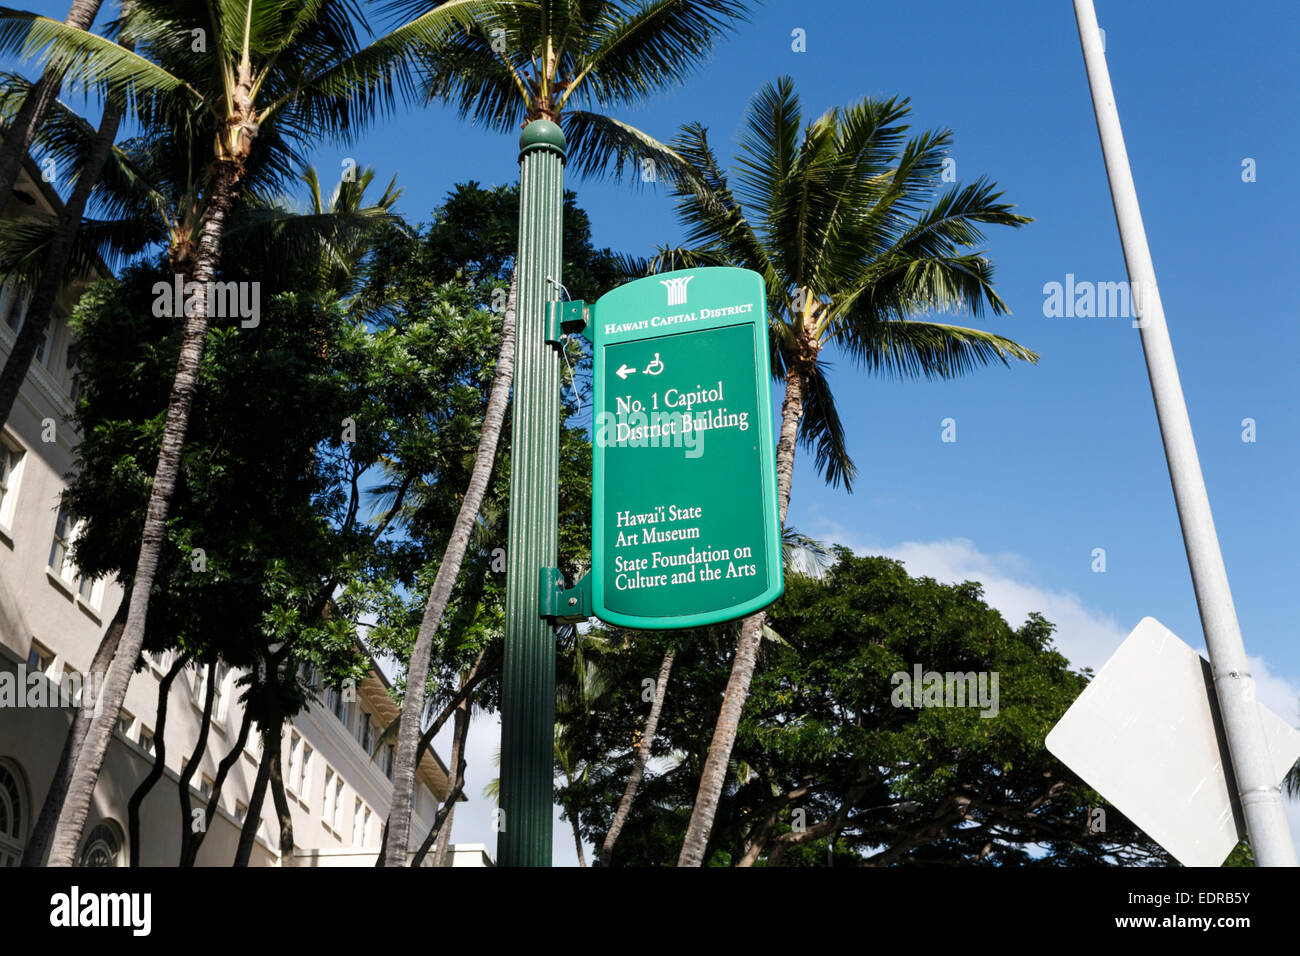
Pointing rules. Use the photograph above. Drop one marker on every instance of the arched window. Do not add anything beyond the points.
(13, 815)
(103, 845)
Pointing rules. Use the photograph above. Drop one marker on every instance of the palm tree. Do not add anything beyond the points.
(843, 221)
(27, 120)
(219, 78)
(527, 62)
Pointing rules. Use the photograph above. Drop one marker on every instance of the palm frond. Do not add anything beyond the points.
(821, 431)
(913, 348)
(598, 145)
(628, 55)
(801, 554)
(368, 83)
(87, 60)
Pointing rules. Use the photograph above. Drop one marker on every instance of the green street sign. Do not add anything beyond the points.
(684, 513)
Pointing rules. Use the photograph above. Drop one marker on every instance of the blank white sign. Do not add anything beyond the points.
(1143, 735)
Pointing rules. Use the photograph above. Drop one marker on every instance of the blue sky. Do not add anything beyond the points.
(1056, 460)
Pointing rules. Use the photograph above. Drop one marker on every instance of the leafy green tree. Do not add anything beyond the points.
(840, 218)
(242, 467)
(525, 62)
(243, 504)
(832, 766)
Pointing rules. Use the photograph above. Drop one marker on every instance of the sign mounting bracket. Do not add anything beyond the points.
(574, 316)
(560, 604)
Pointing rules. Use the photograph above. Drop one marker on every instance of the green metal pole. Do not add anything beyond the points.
(528, 670)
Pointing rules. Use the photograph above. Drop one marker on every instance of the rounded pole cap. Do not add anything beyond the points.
(542, 134)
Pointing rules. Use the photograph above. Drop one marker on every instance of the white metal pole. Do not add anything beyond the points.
(1259, 790)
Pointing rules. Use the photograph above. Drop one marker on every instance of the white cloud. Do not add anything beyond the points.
(1085, 636)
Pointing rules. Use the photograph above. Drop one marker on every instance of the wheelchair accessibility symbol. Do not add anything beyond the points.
(655, 366)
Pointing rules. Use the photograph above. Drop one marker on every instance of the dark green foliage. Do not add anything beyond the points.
(821, 747)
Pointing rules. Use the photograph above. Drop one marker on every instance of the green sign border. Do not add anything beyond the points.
(607, 310)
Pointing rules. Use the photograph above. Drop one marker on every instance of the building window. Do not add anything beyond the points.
(360, 824)
(199, 683)
(38, 659)
(241, 813)
(13, 820)
(103, 846)
(205, 788)
(146, 741)
(389, 758)
(220, 695)
(71, 686)
(326, 812)
(70, 365)
(310, 675)
(11, 458)
(339, 705)
(18, 318)
(304, 786)
(367, 732)
(65, 527)
(295, 754)
(337, 818)
(124, 722)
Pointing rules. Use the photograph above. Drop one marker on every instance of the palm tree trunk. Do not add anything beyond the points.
(50, 282)
(638, 765)
(39, 843)
(577, 837)
(696, 843)
(458, 737)
(408, 733)
(72, 819)
(18, 136)
(475, 677)
(159, 759)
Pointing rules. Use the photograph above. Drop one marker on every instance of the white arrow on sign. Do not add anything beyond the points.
(624, 371)
(1145, 734)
